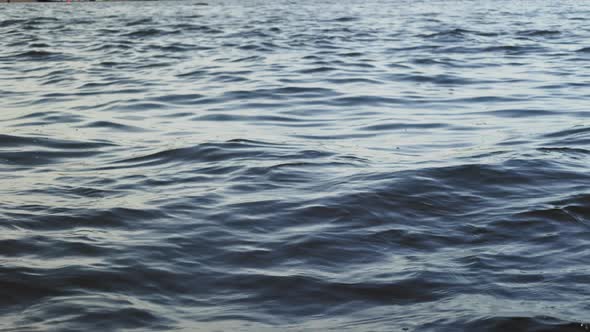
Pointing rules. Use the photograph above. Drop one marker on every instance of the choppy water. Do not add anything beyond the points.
(292, 165)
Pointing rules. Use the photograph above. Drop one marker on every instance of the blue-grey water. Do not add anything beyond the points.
(295, 165)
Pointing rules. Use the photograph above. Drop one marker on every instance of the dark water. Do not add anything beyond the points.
(288, 165)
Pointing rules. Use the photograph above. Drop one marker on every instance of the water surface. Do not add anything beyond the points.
(292, 165)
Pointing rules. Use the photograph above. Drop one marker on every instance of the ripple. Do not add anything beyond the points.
(541, 33)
